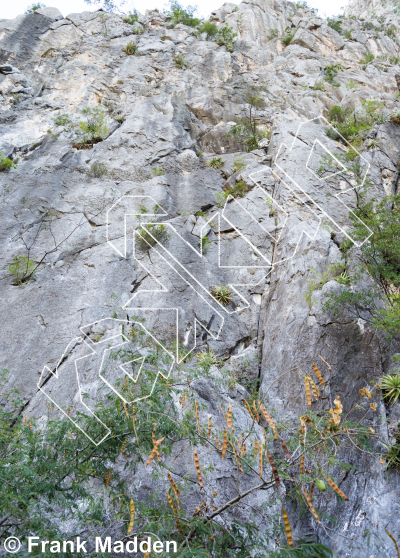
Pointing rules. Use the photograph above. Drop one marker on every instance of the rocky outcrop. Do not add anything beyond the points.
(164, 124)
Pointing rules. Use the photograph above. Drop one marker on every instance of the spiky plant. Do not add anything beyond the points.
(215, 163)
(390, 384)
(222, 293)
(207, 359)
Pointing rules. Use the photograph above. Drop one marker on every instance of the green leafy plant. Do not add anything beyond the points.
(226, 37)
(205, 244)
(335, 24)
(222, 293)
(22, 269)
(210, 28)
(33, 7)
(6, 163)
(334, 271)
(247, 130)
(380, 258)
(62, 120)
(353, 125)
(49, 468)
(177, 14)
(348, 34)
(368, 26)
(92, 129)
(319, 86)
(238, 164)
(391, 31)
(132, 17)
(131, 48)
(287, 39)
(390, 384)
(366, 59)
(180, 63)
(331, 72)
(148, 235)
(351, 84)
(97, 170)
(273, 34)
(238, 191)
(157, 172)
(215, 163)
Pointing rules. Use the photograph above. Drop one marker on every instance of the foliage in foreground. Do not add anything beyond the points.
(247, 130)
(51, 472)
(380, 258)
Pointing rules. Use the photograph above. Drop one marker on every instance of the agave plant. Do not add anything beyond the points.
(222, 293)
(390, 384)
(206, 359)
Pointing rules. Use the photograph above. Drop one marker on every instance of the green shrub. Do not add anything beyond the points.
(5, 163)
(273, 34)
(355, 126)
(92, 129)
(177, 14)
(366, 59)
(157, 172)
(336, 271)
(391, 31)
(22, 269)
(368, 26)
(205, 244)
(130, 48)
(348, 34)
(215, 163)
(62, 119)
(210, 28)
(33, 7)
(238, 164)
(145, 241)
(287, 39)
(351, 84)
(247, 131)
(180, 63)
(222, 293)
(97, 170)
(380, 258)
(319, 86)
(335, 24)
(331, 72)
(132, 17)
(238, 191)
(226, 37)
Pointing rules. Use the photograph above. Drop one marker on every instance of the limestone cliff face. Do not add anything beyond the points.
(164, 123)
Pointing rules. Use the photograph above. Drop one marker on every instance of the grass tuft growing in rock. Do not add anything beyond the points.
(215, 163)
(148, 235)
(97, 170)
(207, 359)
(180, 63)
(92, 129)
(130, 48)
(222, 293)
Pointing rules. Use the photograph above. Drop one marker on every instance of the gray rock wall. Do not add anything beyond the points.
(164, 124)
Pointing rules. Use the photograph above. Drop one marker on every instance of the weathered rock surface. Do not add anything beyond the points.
(164, 124)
